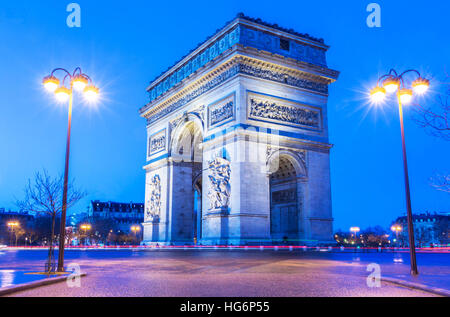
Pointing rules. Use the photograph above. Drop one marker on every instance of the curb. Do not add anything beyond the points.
(429, 289)
(26, 286)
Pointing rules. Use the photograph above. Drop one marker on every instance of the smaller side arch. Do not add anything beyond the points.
(287, 178)
(273, 159)
(191, 126)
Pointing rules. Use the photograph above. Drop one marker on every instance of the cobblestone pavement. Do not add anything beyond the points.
(223, 273)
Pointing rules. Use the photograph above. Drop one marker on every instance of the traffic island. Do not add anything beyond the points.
(417, 286)
(61, 277)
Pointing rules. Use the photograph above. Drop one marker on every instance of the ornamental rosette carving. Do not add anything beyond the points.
(220, 188)
(153, 210)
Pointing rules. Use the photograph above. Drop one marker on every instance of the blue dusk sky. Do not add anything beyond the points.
(123, 45)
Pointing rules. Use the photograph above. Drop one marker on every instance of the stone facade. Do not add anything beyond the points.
(238, 148)
(123, 214)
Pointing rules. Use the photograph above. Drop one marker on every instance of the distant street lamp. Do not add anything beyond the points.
(396, 229)
(12, 226)
(390, 83)
(82, 83)
(135, 230)
(355, 230)
(85, 227)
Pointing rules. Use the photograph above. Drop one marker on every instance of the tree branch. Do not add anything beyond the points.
(44, 194)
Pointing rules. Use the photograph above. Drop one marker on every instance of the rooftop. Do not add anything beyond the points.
(246, 31)
(255, 20)
(426, 216)
(116, 206)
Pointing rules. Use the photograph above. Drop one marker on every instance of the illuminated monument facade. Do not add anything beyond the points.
(238, 149)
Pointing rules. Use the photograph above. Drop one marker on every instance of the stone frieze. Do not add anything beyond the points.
(271, 109)
(157, 142)
(221, 111)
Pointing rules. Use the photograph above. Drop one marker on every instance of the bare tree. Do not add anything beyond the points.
(441, 182)
(436, 122)
(436, 119)
(43, 195)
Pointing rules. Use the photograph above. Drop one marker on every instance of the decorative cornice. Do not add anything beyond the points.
(236, 65)
(195, 90)
(246, 31)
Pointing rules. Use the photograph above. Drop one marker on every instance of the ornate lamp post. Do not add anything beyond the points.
(82, 83)
(390, 83)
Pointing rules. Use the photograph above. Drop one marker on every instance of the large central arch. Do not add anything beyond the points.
(187, 154)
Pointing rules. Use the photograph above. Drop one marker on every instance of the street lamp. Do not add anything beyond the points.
(81, 83)
(396, 229)
(355, 230)
(390, 83)
(85, 227)
(12, 226)
(135, 230)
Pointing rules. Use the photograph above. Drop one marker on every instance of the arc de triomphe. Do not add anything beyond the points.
(238, 148)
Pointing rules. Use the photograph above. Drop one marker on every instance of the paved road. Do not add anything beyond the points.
(224, 273)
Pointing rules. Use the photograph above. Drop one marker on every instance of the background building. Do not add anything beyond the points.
(123, 214)
(429, 228)
(9, 215)
(22, 220)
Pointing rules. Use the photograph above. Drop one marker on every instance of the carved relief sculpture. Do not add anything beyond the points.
(157, 142)
(219, 191)
(220, 111)
(220, 114)
(272, 110)
(154, 203)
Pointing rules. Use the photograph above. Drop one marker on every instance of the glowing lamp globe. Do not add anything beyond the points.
(62, 94)
(391, 84)
(51, 83)
(405, 95)
(79, 82)
(377, 94)
(420, 85)
(91, 93)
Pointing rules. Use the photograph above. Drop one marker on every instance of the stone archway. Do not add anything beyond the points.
(187, 159)
(286, 170)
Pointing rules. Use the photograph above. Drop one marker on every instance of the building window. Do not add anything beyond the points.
(284, 44)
